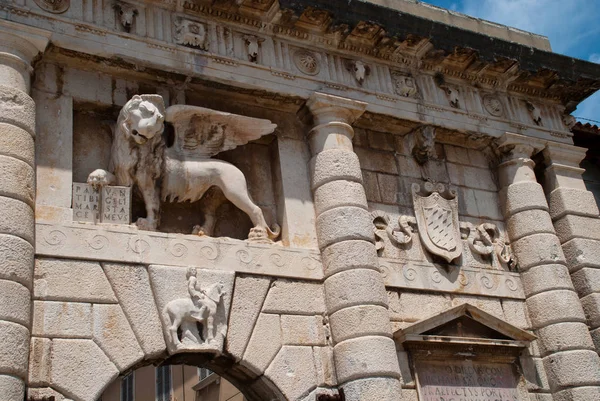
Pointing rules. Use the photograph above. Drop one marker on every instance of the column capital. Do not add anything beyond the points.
(19, 45)
(514, 146)
(562, 166)
(560, 153)
(327, 108)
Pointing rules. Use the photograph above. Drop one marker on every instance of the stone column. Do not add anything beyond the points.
(356, 300)
(566, 348)
(18, 47)
(575, 216)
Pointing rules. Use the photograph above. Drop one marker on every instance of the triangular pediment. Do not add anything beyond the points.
(464, 324)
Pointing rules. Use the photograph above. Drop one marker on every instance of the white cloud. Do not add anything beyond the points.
(595, 58)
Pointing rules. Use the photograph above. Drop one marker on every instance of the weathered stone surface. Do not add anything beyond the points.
(360, 320)
(534, 372)
(529, 222)
(264, 343)
(247, 301)
(62, 319)
(16, 260)
(581, 252)
(571, 226)
(342, 224)
(382, 162)
(14, 349)
(572, 201)
(16, 179)
(416, 306)
(18, 109)
(132, 286)
(302, 298)
(325, 366)
(538, 249)
(302, 330)
(554, 307)
(12, 388)
(327, 196)
(572, 368)
(577, 394)
(335, 164)
(373, 389)
(365, 357)
(487, 204)
(80, 369)
(515, 313)
(545, 278)
(489, 305)
(114, 335)
(586, 281)
(354, 287)
(40, 364)
(596, 337)
(18, 143)
(471, 177)
(591, 307)
(15, 303)
(405, 368)
(563, 337)
(349, 255)
(60, 279)
(293, 369)
(523, 196)
(41, 392)
(19, 221)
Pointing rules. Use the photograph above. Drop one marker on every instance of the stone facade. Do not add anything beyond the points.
(305, 197)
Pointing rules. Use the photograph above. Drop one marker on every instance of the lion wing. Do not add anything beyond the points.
(201, 132)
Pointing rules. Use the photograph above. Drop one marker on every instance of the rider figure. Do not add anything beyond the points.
(197, 295)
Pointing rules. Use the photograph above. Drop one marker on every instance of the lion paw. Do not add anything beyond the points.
(198, 230)
(99, 178)
(146, 224)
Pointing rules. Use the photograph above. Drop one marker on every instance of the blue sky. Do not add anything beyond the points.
(573, 27)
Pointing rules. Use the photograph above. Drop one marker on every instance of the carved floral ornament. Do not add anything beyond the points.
(54, 6)
(307, 62)
(185, 171)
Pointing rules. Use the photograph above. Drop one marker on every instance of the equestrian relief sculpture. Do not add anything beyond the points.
(184, 171)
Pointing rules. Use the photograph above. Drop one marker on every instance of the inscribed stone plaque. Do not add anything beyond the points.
(466, 381)
(116, 205)
(86, 201)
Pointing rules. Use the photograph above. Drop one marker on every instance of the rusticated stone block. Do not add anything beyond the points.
(342, 224)
(534, 373)
(302, 330)
(515, 313)
(286, 297)
(366, 357)
(563, 337)
(354, 287)
(571, 226)
(18, 143)
(349, 255)
(581, 252)
(80, 369)
(19, 221)
(360, 320)
(264, 343)
(12, 388)
(591, 307)
(293, 369)
(538, 249)
(114, 335)
(339, 193)
(71, 280)
(577, 394)
(335, 164)
(14, 349)
(248, 298)
(554, 307)
(62, 319)
(132, 287)
(15, 303)
(521, 196)
(586, 281)
(16, 179)
(17, 109)
(572, 369)
(564, 201)
(546, 278)
(528, 222)
(596, 338)
(16, 260)
(373, 389)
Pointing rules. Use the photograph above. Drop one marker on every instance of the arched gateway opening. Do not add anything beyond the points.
(191, 377)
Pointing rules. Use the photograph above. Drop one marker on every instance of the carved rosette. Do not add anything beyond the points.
(307, 62)
(436, 211)
(54, 6)
(493, 105)
(194, 307)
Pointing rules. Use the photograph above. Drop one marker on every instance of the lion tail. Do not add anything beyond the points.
(273, 232)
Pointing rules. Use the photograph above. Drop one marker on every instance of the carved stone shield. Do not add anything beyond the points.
(436, 211)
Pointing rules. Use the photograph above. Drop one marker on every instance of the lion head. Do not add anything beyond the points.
(142, 118)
